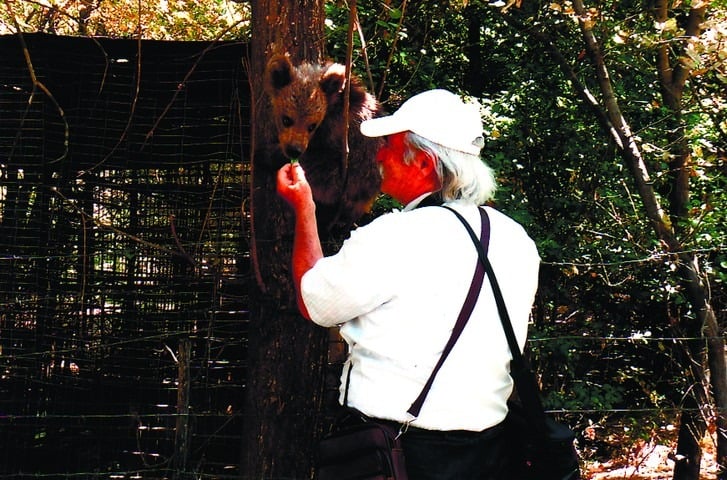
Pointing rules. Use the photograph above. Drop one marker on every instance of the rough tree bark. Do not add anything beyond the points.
(286, 354)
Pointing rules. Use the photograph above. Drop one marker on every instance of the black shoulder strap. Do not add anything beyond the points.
(522, 375)
(517, 358)
(464, 314)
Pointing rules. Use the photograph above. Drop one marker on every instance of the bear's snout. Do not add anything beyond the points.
(293, 151)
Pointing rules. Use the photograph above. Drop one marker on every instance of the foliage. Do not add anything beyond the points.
(157, 19)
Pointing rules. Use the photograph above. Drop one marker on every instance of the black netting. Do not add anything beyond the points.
(123, 257)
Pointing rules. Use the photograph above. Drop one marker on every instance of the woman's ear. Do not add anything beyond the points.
(424, 160)
(427, 163)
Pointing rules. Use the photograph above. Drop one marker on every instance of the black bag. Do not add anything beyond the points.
(363, 451)
(547, 455)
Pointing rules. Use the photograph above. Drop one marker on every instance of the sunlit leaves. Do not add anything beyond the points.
(156, 19)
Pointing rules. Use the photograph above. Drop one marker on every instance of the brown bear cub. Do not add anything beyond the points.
(308, 110)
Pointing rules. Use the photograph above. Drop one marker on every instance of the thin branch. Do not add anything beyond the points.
(38, 85)
(118, 231)
(393, 49)
(134, 101)
(347, 91)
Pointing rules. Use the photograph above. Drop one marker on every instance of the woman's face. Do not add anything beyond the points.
(400, 180)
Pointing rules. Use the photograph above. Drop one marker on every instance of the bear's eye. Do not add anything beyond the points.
(287, 121)
(312, 127)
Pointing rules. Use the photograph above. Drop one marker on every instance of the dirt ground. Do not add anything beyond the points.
(649, 462)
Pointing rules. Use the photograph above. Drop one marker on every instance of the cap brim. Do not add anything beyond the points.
(382, 126)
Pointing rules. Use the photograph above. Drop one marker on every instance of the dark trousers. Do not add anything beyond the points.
(454, 455)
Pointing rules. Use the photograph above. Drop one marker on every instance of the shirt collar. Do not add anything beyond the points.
(427, 200)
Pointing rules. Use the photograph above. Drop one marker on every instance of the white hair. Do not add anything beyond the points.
(464, 176)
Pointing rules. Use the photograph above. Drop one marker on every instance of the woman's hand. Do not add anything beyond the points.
(294, 188)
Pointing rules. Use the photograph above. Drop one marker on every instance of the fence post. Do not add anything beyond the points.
(181, 437)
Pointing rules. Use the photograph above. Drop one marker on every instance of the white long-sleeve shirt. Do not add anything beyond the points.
(396, 287)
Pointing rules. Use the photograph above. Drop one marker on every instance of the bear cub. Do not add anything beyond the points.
(307, 103)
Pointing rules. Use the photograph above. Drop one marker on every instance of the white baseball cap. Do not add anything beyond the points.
(439, 116)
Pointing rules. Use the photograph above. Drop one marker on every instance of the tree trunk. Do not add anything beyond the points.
(474, 52)
(286, 354)
(672, 79)
(689, 453)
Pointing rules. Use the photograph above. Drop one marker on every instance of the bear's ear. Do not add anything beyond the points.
(333, 80)
(278, 73)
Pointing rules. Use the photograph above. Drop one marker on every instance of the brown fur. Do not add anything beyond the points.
(307, 105)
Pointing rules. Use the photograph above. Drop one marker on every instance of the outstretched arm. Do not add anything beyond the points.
(294, 188)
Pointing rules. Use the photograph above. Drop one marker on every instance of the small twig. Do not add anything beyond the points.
(364, 53)
(134, 101)
(347, 89)
(110, 227)
(393, 49)
(183, 252)
(38, 85)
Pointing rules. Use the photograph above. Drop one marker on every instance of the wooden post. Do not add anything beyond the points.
(181, 436)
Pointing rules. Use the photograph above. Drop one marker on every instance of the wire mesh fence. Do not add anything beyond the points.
(123, 257)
